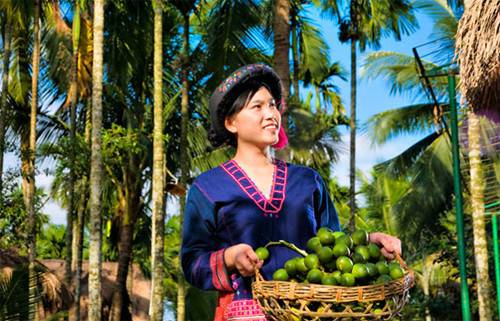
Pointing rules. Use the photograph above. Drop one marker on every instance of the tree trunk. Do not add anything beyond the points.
(295, 54)
(158, 204)
(181, 285)
(281, 28)
(3, 98)
(352, 124)
(72, 131)
(478, 220)
(95, 301)
(30, 206)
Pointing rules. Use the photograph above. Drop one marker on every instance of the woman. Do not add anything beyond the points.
(253, 198)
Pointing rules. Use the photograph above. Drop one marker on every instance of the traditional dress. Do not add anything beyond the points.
(224, 208)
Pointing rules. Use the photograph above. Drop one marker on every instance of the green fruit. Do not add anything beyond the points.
(338, 234)
(290, 267)
(301, 265)
(345, 239)
(396, 272)
(374, 251)
(363, 250)
(311, 261)
(344, 264)
(348, 279)
(314, 276)
(325, 236)
(378, 311)
(358, 258)
(313, 244)
(330, 266)
(359, 271)
(280, 275)
(384, 278)
(360, 237)
(341, 249)
(337, 275)
(328, 279)
(262, 253)
(393, 264)
(325, 254)
(382, 267)
(372, 269)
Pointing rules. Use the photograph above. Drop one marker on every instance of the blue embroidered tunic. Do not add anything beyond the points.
(224, 208)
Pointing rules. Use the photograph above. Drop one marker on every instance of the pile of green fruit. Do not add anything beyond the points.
(336, 258)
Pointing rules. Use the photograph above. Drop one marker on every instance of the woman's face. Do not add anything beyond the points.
(259, 121)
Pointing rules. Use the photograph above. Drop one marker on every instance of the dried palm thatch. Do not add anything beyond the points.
(478, 53)
(54, 294)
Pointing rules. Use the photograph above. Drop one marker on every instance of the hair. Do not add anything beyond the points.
(218, 139)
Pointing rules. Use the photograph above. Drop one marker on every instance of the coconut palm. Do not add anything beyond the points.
(6, 39)
(367, 22)
(158, 198)
(96, 166)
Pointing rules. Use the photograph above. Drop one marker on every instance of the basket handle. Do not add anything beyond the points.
(401, 261)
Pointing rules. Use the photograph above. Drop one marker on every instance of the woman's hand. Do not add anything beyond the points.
(242, 258)
(390, 245)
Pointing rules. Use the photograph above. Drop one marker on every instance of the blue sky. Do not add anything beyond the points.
(373, 97)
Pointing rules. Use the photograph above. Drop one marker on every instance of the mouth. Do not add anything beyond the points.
(271, 127)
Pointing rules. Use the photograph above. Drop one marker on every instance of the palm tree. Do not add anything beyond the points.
(30, 205)
(158, 173)
(367, 23)
(281, 28)
(7, 30)
(96, 167)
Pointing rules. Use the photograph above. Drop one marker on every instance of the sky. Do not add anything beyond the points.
(373, 97)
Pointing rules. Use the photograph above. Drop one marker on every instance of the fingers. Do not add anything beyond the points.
(387, 254)
(247, 261)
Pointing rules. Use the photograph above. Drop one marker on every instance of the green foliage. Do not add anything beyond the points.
(51, 242)
(14, 218)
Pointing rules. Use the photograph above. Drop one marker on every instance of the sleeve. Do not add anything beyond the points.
(326, 215)
(202, 258)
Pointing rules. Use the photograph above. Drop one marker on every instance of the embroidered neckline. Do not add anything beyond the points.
(278, 189)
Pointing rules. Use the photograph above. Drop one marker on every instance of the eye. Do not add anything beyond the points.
(256, 106)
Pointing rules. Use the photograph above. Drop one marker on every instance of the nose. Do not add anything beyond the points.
(271, 112)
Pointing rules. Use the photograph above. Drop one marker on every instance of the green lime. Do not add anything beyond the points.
(314, 276)
(360, 237)
(262, 253)
(341, 249)
(347, 279)
(337, 275)
(313, 244)
(393, 264)
(363, 250)
(382, 267)
(328, 279)
(344, 264)
(372, 269)
(345, 239)
(378, 311)
(330, 266)
(301, 265)
(280, 275)
(384, 278)
(338, 234)
(359, 271)
(325, 254)
(325, 236)
(290, 267)
(358, 258)
(396, 272)
(311, 261)
(374, 251)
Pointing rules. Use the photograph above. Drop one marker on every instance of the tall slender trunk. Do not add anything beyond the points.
(30, 206)
(352, 125)
(181, 284)
(3, 98)
(484, 290)
(158, 204)
(95, 301)
(72, 131)
(295, 55)
(281, 27)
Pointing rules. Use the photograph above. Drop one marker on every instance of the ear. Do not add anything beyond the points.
(230, 125)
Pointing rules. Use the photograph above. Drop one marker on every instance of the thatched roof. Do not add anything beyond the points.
(478, 53)
(54, 293)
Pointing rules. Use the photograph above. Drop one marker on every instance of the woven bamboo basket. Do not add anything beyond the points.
(292, 301)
